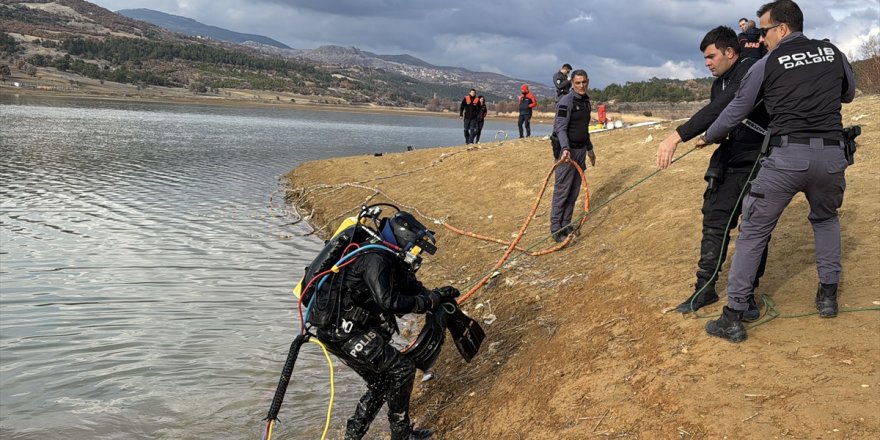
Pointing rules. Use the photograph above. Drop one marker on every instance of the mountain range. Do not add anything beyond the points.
(193, 28)
(82, 38)
(494, 84)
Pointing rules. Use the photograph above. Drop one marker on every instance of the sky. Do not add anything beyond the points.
(615, 41)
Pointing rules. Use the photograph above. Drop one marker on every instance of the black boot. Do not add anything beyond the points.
(753, 312)
(704, 294)
(407, 432)
(355, 430)
(729, 326)
(826, 300)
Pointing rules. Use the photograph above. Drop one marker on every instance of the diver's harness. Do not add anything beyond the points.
(331, 307)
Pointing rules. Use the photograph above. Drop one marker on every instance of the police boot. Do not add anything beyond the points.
(407, 432)
(826, 300)
(704, 294)
(753, 312)
(728, 326)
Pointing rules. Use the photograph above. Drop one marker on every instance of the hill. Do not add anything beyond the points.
(193, 28)
(581, 347)
(44, 32)
(492, 85)
(72, 18)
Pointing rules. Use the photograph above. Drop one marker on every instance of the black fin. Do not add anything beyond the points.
(466, 334)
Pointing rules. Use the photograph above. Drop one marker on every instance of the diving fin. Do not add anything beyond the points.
(466, 334)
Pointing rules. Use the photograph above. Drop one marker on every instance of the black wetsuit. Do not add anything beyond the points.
(374, 288)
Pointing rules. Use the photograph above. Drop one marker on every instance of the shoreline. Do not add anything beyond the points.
(583, 333)
(215, 101)
(537, 118)
(49, 82)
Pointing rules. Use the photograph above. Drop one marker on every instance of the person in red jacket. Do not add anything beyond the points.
(527, 102)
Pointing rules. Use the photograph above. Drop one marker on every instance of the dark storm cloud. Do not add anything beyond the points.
(616, 41)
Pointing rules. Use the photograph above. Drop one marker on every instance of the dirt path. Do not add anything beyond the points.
(581, 347)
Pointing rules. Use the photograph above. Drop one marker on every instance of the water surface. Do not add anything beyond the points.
(147, 259)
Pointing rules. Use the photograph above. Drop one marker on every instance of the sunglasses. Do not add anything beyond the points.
(767, 29)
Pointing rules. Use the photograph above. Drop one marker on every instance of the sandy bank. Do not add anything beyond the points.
(581, 347)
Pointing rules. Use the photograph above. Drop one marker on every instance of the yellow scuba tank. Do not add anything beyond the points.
(347, 223)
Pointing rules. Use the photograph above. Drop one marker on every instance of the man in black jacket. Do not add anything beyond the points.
(374, 288)
(729, 166)
(561, 81)
(468, 111)
(749, 39)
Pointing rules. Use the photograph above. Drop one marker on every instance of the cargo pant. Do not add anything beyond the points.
(817, 170)
(566, 189)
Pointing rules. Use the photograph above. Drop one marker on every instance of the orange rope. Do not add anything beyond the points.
(513, 245)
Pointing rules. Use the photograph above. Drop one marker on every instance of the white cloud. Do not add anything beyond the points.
(581, 17)
(618, 72)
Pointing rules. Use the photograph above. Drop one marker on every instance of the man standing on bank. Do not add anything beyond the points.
(729, 167)
(467, 111)
(561, 81)
(572, 126)
(527, 102)
(803, 83)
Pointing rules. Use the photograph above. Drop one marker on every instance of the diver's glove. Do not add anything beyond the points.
(446, 293)
(427, 302)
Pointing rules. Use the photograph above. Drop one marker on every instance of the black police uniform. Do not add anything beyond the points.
(572, 127)
(728, 173)
(562, 84)
(374, 288)
(803, 83)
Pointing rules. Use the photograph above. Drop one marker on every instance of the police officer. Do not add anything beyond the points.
(729, 166)
(561, 81)
(371, 290)
(803, 83)
(572, 127)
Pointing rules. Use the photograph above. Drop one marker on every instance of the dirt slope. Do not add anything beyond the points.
(581, 347)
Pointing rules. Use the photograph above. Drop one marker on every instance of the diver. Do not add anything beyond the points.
(357, 320)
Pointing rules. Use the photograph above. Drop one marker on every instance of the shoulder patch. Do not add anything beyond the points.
(562, 111)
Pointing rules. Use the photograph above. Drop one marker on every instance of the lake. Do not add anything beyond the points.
(147, 258)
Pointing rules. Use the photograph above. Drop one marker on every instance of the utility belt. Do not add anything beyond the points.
(577, 145)
(849, 142)
(778, 141)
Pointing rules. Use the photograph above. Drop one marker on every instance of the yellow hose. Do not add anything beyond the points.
(332, 386)
(271, 425)
(269, 431)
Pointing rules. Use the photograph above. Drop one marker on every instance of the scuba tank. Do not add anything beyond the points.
(323, 305)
